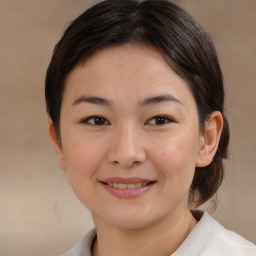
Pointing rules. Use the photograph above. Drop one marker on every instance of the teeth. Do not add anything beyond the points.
(138, 185)
(128, 186)
(122, 186)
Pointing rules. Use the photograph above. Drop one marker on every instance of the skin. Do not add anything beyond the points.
(130, 143)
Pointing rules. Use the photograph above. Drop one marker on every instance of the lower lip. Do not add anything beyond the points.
(128, 193)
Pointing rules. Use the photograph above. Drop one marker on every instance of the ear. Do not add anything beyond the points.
(209, 140)
(56, 144)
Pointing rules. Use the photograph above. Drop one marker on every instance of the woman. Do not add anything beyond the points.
(135, 98)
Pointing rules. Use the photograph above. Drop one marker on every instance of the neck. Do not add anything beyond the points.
(160, 238)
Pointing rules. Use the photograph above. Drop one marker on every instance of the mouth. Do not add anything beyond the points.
(127, 188)
(129, 185)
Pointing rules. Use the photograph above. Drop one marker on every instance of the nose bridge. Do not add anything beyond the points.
(127, 146)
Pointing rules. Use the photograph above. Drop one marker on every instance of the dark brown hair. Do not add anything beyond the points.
(177, 36)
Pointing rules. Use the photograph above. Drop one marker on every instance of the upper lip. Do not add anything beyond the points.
(132, 180)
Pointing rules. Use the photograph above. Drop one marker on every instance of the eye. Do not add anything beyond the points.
(96, 120)
(159, 120)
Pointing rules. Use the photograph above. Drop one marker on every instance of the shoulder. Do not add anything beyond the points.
(227, 242)
(83, 248)
(210, 238)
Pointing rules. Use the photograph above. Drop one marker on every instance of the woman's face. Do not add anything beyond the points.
(130, 136)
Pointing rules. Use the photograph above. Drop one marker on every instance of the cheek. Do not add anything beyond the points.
(83, 156)
(175, 163)
(176, 158)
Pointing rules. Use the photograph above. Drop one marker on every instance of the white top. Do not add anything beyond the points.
(208, 238)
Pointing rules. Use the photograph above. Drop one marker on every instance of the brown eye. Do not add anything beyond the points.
(159, 120)
(96, 120)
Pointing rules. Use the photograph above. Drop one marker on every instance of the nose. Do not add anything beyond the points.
(127, 147)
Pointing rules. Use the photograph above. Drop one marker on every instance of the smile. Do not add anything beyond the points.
(127, 188)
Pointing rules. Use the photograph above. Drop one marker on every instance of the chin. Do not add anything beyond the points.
(131, 224)
(129, 220)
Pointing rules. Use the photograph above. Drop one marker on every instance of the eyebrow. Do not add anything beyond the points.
(159, 99)
(92, 100)
(148, 101)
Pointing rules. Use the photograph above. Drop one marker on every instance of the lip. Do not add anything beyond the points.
(127, 193)
(126, 180)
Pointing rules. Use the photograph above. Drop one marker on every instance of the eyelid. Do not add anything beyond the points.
(86, 120)
(169, 120)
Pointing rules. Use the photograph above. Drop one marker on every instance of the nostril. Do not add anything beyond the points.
(126, 156)
(126, 164)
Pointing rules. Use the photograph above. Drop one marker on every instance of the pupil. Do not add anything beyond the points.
(160, 120)
(99, 120)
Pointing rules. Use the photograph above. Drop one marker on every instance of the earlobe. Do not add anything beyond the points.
(56, 144)
(209, 140)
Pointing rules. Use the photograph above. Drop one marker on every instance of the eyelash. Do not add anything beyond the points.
(103, 121)
(163, 120)
(96, 119)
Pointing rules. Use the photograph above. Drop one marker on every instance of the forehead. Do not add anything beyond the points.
(125, 60)
(125, 71)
